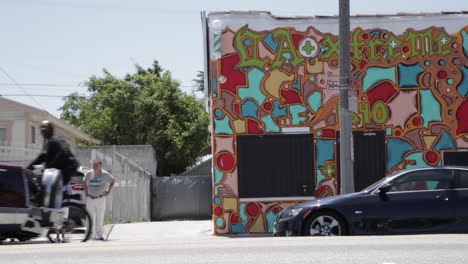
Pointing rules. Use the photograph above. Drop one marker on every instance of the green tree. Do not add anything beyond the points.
(199, 81)
(146, 107)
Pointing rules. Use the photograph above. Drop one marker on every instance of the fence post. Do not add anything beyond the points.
(127, 215)
(115, 177)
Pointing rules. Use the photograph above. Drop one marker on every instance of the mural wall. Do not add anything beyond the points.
(412, 85)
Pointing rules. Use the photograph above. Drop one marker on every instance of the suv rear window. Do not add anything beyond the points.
(12, 187)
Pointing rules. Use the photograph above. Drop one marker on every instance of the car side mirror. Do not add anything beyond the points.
(383, 190)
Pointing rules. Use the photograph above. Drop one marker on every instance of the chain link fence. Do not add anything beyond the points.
(132, 168)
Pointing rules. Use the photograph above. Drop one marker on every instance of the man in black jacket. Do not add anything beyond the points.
(56, 153)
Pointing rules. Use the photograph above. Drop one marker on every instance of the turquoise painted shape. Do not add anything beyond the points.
(222, 126)
(287, 56)
(465, 42)
(297, 85)
(270, 125)
(295, 110)
(270, 219)
(445, 142)
(217, 200)
(320, 177)
(250, 109)
(270, 42)
(409, 74)
(388, 131)
(418, 157)
(462, 88)
(375, 33)
(248, 42)
(377, 74)
(396, 149)
(323, 49)
(218, 112)
(325, 150)
(430, 107)
(242, 212)
(219, 222)
(214, 84)
(219, 175)
(279, 111)
(253, 91)
(238, 228)
(315, 101)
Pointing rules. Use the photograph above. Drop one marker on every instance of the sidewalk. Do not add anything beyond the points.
(167, 231)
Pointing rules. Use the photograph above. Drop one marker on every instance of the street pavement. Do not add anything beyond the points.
(193, 242)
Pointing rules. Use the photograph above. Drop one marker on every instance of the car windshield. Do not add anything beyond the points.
(372, 186)
(384, 179)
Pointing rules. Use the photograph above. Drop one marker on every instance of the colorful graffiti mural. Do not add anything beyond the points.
(413, 86)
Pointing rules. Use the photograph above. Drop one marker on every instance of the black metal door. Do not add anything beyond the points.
(459, 158)
(275, 165)
(369, 152)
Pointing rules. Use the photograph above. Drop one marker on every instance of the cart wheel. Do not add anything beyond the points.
(76, 227)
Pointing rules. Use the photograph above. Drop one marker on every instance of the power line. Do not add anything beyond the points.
(49, 95)
(17, 84)
(75, 85)
(57, 96)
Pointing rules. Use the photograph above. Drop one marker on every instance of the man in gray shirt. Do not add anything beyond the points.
(98, 184)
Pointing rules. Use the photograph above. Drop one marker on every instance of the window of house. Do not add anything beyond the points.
(2, 136)
(33, 135)
(275, 166)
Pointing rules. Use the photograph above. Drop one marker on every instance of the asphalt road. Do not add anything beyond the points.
(191, 242)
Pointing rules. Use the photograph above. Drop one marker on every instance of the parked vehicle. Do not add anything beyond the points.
(414, 201)
(32, 206)
(76, 187)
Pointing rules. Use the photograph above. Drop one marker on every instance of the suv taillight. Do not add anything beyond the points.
(77, 187)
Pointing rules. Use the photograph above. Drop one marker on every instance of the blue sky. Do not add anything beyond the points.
(61, 43)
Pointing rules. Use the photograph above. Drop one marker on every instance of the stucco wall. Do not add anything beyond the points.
(269, 76)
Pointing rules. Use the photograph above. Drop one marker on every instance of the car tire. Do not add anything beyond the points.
(325, 224)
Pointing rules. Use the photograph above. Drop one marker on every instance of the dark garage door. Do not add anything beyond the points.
(275, 165)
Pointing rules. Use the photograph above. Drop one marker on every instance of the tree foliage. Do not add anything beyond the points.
(146, 107)
(199, 81)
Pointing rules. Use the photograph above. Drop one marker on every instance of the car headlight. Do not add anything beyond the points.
(290, 213)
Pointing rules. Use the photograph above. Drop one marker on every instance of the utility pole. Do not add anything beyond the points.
(346, 164)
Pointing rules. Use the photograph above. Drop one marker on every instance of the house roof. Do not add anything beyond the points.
(47, 116)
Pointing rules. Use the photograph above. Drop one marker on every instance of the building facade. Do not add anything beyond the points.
(272, 90)
(20, 136)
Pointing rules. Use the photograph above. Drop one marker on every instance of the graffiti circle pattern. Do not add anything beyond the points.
(225, 161)
(252, 210)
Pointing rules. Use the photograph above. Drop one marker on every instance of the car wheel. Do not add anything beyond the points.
(325, 224)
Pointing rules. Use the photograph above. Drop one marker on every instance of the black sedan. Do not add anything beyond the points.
(414, 201)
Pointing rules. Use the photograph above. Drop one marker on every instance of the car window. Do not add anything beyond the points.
(12, 187)
(76, 180)
(432, 179)
(461, 177)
